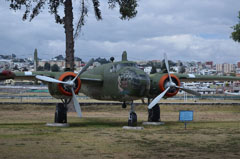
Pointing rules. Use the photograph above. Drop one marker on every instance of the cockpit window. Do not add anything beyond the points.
(121, 65)
(117, 67)
(113, 69)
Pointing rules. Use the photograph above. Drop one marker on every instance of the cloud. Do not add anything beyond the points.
(185, 30)
(178, 47)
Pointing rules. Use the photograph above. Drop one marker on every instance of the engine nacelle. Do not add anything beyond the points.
(160, 82)
(163, 84)
(61, 91)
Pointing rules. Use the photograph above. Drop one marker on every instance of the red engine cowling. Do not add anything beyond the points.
(163, 84)
(64, 89)
(61, 91)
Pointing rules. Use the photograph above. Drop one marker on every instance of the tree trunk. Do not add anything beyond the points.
(68, 25)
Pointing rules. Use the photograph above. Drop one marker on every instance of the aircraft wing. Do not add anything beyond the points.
(91, 78)
(85, 77)
(192, 78)
(31, 75)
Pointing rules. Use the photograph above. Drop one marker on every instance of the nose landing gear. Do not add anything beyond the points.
(132, 119)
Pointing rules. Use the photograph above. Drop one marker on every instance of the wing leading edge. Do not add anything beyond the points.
(192, 77)
(85, 78)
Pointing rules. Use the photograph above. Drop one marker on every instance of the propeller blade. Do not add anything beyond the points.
(76, 104)
(167, 66)
(90, 62)
(157, 99)
(49, 79)
(189, 91)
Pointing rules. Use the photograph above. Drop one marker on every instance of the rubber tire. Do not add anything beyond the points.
(124, 105)
(154, 114)
(132, 121)
(60, 113)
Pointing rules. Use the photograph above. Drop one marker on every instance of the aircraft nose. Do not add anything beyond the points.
(134, 82)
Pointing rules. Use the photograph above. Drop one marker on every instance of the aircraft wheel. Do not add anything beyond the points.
(132, 121)
(124, 105)
(154, 114)
(61, 113)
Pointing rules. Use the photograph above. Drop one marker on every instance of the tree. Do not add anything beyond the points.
(40, 68)
(153, 70)
(55, 68)
(14, 56)
(127, 9)
(236, 33)
(21, 60)
(35, 59)
(59, 57)
(24, 69)
(101, 60)
(163, 66)
(181, 68)
(16, 67)
(47, 66)
(77, 59)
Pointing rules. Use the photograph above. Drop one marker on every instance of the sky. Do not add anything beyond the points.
(186, 30)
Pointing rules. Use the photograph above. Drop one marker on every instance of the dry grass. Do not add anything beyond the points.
(215, 133)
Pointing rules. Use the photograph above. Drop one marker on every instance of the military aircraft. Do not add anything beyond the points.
(120, 81)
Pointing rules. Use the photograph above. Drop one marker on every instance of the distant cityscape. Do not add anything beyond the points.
(14, 63)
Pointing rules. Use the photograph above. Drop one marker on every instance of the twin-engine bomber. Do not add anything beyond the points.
(117, 81)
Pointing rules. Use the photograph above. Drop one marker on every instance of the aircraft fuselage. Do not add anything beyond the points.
(122, 81)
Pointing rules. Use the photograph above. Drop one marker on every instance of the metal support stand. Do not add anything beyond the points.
(60, 118)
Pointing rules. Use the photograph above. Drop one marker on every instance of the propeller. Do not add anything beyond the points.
(69, 84)
(171, 84)
(49, 79)
(76, 104)
(189, 91)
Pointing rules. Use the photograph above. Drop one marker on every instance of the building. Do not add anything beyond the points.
(225, 68)
(238, 72)
(60, 63)
(209, 64)
(219, 67)
(228, 68)
(238, 65)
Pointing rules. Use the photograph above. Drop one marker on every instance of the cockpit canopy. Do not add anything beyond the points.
(118, 66)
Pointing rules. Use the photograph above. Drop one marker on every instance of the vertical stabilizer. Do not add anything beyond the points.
(124, 56)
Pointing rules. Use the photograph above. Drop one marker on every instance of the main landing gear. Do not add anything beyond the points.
(61, 111)
(154, 113)
(124, 105)
(60, 118)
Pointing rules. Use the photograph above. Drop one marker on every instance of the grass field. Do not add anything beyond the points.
(214, 133)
